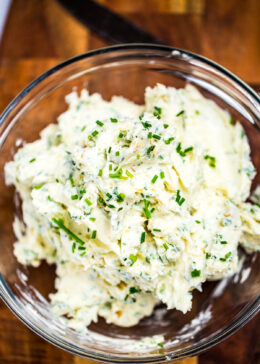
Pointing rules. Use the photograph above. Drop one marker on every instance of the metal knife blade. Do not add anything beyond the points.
(107, 23)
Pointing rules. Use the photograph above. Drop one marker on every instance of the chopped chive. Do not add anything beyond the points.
(32, 160)
(100, 172)
(111, 206)
(37, 187)
(133, 290)
(158, 109)
(49, 198)
(133, 258)
(154, 178)
(179, 199)
(162, 175)
(147, 260)
(141, 116)
(92, 219)
(73, 247)
(109, 150)
(82, 254)
(142, 240)
(117, 153)
(61, 225)
(94, 133)
(168, 141)
(146, 124)
(88, 202)
(120, 135)
(120, 197)
(109, 196)
(197, 221)
(223, 242)
(150, 149)
(99, 123)
(155, 136)
(195, 273)
(57, 180)
(90, 137)
(159, 230)
(81, 248)
(72, 181)
(113, 120)
(165, 126)
(110, 167)
(188, 149)
(208, 255)
(129, 174)
(145, 209)
(149, 135)
(183, 152)
(160, 345)
(212, 160)
(165, 246)
(83, 128)
(232, 120)
(115, 175)
(180, 113)
(94, 234)
(74, 197)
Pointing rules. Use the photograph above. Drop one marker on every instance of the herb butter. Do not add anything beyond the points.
(135, 205)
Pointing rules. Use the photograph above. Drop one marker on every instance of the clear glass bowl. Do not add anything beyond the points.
(126, 70)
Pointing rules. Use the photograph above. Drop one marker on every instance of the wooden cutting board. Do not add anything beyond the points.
(40, 34)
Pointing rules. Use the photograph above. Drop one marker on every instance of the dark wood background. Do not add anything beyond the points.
(40, 34)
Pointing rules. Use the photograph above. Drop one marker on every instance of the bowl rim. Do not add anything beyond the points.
(194, 349)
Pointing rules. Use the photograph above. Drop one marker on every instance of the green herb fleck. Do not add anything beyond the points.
(37, 187)
(195, 273)
(165, 126)
(223, 242)
(165, 246)
(99, 123)
(232, 120)
(94, 133)
(133, 258)
(88, 202)
(92, 219)
(157, 112)
(94, 234)
(32, 160)
(168, 141)
(150, 149)
(155, 136)
(74, 197)
(146, 124)
(113, 120)
(142, 240)
(162, 175)
(180, 113)
(100, 172)
(179, 199)
(154, 179)
(120, 197)
(159, 230)
(133, 290)
(61, 225)
(129, 174)
(212, 160)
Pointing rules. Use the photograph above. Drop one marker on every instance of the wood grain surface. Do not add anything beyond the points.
(40, 34)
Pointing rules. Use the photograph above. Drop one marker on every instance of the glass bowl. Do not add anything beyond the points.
(125, 70)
